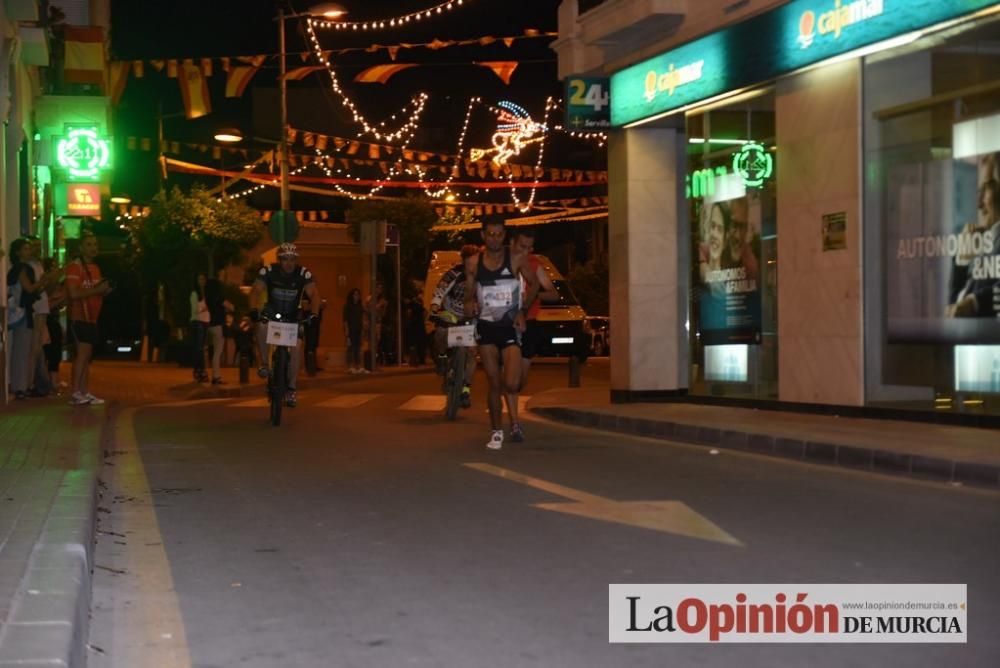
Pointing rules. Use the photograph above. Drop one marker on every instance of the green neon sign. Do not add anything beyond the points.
(83, 153)
(753, 164)
(795, 35)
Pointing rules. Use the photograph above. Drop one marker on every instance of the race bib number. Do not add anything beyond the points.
(498, 296)
(282, 334)
(462, 337)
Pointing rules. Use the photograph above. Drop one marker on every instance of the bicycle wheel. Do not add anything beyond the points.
(454, 382)
(278, 383)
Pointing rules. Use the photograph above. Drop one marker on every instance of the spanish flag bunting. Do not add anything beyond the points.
(502, 68)
(381, 73)
(138, 68)
(172, 69)
(119, 77)
(299, 73)
(238, 78)
(84, 62)
(158, 64)
(509, 41)
(194, 91)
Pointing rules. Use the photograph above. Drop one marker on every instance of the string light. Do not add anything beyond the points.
(393, 171)
(395, 22)
(549, 105)
(600, 137)
(274, 183)
(378, 131)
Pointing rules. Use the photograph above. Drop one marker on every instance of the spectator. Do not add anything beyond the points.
(86, 290)
(215, 299)
(353, 321)
(35, 282)
(54, 348)
(199, 327)
(19, 319)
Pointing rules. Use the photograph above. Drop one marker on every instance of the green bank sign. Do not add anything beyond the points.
(793, 36)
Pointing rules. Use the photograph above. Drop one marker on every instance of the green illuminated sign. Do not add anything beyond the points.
(83, 153)
(795, 35)
(753, 164)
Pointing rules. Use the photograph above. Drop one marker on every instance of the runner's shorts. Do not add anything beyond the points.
(501, 336)
(82, 332)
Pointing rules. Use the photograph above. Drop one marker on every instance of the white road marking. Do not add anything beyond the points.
(348, 400)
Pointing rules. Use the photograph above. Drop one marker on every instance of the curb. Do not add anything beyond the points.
(855, 458)
(50, 618)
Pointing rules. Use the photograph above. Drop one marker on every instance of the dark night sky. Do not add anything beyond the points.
(148, 29)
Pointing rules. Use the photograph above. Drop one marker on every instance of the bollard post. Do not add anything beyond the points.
(574, 371)
(244, 367)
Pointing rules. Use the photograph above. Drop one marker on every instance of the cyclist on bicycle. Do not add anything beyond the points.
(285, 282)
(447, 309)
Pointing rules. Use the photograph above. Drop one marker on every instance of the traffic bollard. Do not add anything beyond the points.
(244, 368)
(574, 371)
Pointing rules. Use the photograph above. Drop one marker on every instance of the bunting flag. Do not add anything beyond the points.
(381, 73)
(84, 63)
(194, 90)
(172, 69)
(138, 68)
(119, 77)
(238, 78)
(502, 68)
(299, 73)
(393, 51)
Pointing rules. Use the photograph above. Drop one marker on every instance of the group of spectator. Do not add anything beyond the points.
(37, 291)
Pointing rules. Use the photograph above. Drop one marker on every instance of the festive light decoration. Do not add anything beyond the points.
(83, 153)
(394, 22)
(515, 130)
(549, 106)
(600, 137)
(379, 132)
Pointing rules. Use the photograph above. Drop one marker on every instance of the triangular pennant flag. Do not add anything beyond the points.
(119, 77)
(130, 143)
(502, 68)
(509, 41)
(339, 143)
(194, 90)
(299, 73)
(373, 151)
(393, 52)
(255, 61)
(84, 55)
(304, 56)
(290, 135)
(308, 139)
(216, 153)
(138, 69)
(226, 64)
(384, 166)
(408, 154)
(531, 32)
(353, 148)
(145, 144)
(206, 66)
(373, 48)
(321, 141)
(382, 73)
(172, 69)
(158, 64)
(238, 78)
(175, 147)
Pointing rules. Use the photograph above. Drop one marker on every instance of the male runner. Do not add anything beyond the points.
(524, 244)
(493, 292)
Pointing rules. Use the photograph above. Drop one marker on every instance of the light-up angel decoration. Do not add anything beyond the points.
(515, 130)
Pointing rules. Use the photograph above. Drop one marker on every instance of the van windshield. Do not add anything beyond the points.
(566, 296)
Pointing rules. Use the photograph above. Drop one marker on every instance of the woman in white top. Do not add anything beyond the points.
(199, 327)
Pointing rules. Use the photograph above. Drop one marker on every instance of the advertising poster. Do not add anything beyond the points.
(729, 271)
(943, 251)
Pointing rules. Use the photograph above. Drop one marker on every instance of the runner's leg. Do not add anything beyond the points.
(512, 379)
(491, 364)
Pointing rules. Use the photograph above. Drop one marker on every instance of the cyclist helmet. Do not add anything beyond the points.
(287, 250)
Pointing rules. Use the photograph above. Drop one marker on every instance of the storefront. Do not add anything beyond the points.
(812, 194)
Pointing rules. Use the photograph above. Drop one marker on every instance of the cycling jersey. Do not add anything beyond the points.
(449, 294)
(284, 291)
(498, 291)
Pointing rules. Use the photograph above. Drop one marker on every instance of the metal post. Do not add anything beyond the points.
(399, 312)
(574, 371)
(285, 196)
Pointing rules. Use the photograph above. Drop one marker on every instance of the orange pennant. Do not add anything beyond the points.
(299, 73)
(502, 68)
(238, 78)
(119, 77)
(381, 73)
(194, 90)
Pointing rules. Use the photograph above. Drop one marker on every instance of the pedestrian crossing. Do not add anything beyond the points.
(419, 402)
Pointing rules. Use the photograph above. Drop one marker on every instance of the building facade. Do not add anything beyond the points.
(804, 199)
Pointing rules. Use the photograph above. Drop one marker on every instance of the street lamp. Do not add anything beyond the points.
(229, 136)
(329, 10)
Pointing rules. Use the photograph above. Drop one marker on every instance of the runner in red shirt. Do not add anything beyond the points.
(523, 243)
(86, 289)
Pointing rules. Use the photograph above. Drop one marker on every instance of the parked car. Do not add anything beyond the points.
(561, 321)
(599, 330)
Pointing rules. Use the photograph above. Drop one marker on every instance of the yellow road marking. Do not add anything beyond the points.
(149, 631)
(667, 516)
(348, 401)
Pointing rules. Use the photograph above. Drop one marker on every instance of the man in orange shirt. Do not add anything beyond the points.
(86, 289)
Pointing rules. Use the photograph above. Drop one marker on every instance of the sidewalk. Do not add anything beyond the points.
(926, 451)
(50, 458)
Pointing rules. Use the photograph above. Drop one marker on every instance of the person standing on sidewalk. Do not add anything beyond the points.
(354, 317)
(199, 327)
(493, 293)
(86, 290)
(524, 244)
(215, 300)
(35, 282)
(54, 348)
(20, 322)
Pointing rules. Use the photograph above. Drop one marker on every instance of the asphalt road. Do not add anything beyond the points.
(361, 536)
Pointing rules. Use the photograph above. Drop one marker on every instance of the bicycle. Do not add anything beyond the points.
(460, 339)
(283, 336)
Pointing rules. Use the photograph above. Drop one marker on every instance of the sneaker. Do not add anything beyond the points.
(466, 401)
(78, 399)
(496, 440)
(92, 400)
(516, 433)
(263, 372)
(291, 399)
(363, 371)
(218, 381)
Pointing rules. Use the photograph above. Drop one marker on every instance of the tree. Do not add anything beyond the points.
(187, 233)
(591, 286)
(413, 217)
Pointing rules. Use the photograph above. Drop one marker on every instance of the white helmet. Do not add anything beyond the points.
(287, 250)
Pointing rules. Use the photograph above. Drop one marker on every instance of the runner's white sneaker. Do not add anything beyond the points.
(94, 401)
(77, 399)
(496, 440)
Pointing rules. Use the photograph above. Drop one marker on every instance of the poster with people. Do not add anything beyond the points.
(728, 276)
(943, 251)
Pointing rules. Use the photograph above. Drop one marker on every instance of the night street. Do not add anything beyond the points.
(367, 531)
